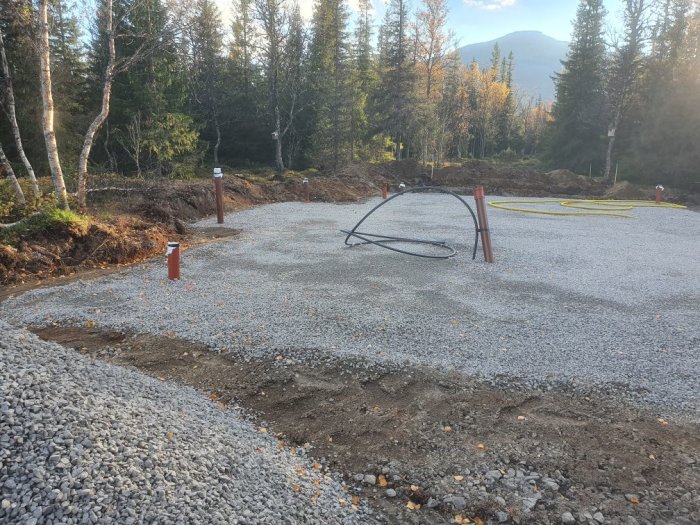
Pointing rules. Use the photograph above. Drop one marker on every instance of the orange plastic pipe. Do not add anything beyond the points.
(173, 254)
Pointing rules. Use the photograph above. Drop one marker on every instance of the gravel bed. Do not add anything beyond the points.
(595, 302)
(82, 441)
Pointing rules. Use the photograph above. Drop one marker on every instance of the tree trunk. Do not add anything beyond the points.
(47, 101)
(279, 163)
(611, 144)
(102, 116)
(105, 144)
(5, 164)
(12, 115)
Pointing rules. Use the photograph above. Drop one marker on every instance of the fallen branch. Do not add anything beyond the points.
(11, 224)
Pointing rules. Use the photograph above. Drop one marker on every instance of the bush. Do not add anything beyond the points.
(10, 211)
(507, 155)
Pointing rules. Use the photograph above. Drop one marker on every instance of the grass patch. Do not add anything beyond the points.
(46, 221)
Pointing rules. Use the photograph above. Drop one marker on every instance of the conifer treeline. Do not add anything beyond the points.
(274, 89)
(632, 99)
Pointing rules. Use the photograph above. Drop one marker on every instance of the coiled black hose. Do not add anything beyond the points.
(384, 240)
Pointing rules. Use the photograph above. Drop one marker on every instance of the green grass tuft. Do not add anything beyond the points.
(46, 221)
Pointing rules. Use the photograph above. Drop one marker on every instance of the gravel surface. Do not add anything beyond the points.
(82, 441)
(597, 302)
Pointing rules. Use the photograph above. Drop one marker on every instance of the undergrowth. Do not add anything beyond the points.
(46, 221)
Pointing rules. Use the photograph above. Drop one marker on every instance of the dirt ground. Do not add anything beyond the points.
(432, 436)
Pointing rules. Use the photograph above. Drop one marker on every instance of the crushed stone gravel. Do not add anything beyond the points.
(592, 302)
(83, 441)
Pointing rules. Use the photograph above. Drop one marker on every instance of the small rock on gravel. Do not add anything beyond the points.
(568, 519)
(457, 502)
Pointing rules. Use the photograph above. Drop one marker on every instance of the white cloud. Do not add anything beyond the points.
(491, 5)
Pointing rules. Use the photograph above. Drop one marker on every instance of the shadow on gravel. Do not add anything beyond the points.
(425, 446)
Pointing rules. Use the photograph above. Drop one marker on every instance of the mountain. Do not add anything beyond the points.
(537, 58)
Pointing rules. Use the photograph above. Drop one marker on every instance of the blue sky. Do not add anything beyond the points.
(481, 20)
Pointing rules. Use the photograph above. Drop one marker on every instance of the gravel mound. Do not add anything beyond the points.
(82, 441)
(599, 303)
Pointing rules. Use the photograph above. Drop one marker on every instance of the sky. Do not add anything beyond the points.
(482, 20)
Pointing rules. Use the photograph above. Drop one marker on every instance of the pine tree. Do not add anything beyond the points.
(206, 71)
(18, 28)
(330, 84)
(363, 79)
(395, 97)
(246, 131)
(69, 78)
(575, 138)
(659, 141)
(624, 70)
(293, 98)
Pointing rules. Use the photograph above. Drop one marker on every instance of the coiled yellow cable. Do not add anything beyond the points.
(597, 207)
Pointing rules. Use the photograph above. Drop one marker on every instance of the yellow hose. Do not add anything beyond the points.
(598, 207)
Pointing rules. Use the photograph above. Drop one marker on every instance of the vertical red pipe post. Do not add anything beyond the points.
(659, 194)
(305, 183)
(173, 254)
(483, 223)
(219, 189)
(385, 191)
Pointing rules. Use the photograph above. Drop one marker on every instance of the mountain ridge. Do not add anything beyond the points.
(537, 58)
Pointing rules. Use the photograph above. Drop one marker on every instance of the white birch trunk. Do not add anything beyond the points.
(47, 100)
(9, 172)
(102, 116)
(12, 115)
(279, 163)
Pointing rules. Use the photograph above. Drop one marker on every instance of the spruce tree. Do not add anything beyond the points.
(330, 84)
(363, 78)
(397, 74)
(206, 71)
(576, 136)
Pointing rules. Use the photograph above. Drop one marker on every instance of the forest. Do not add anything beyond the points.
(164, 88)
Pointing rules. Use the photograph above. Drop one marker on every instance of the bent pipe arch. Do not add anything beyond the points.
(384, 240)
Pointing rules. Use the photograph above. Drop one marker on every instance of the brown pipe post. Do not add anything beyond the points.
(659, 194)
(173, 254)
(483, 223)
(219, 189)
(305, 183)
(385, 191)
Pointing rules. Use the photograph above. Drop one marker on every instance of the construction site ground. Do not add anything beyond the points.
(558, 385)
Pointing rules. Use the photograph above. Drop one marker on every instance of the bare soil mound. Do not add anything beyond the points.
(626, 191)
(64, 250)
(523, 180)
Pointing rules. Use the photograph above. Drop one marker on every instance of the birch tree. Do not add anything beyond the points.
(104, 112)
(12, 178)
(272, 17)
(48, 107)
(11, 112)
(625, 70)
